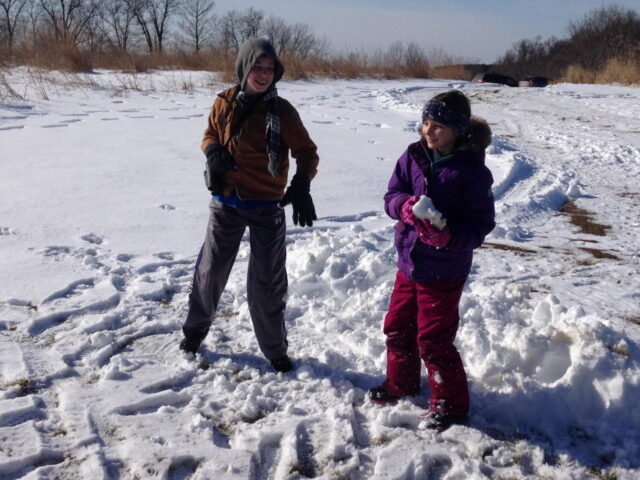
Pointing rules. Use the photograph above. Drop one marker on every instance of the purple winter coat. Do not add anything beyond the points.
(460, 188)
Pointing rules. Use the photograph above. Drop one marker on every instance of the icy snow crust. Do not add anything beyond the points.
(103, 208)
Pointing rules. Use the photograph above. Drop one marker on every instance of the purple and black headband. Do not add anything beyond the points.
(441, 113)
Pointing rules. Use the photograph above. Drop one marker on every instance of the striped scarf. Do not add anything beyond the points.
(273, 130)
(246, 102)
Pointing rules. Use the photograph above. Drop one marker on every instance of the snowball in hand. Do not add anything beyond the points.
(424, 210)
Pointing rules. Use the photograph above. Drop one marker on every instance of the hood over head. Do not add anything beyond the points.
(249, 52)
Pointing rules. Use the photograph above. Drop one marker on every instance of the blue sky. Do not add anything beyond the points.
(477, 30)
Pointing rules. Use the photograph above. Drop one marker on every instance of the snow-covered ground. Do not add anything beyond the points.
(103, 208)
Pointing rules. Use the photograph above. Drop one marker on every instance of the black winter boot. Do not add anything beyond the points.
(438, 422)
(282, 364)
(380, 395)
(189, 345)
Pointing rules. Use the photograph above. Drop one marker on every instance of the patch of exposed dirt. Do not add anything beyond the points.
(583, 219)
(635, 319)
(600, 253)
(509, 248)
(633, 196)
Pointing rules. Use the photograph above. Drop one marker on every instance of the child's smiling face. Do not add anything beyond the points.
(438, 136)
(261, 75)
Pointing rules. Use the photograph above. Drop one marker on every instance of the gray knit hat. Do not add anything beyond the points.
(249, 53)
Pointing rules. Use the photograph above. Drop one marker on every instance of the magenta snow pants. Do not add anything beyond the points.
(421, 324)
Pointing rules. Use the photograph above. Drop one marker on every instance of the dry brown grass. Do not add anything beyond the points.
(457, 72)
(355, 64)
(578, 74)
(620, 70)
(617, 70)
(54, 56)
(7, 92)
(140, 62)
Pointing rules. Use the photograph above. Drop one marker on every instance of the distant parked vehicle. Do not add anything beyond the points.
(532, 81)
(492, 77)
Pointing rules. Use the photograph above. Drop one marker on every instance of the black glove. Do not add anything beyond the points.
(219, 161)
(299, 197)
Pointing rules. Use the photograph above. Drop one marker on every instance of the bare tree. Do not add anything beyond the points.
(302, 40)
(229, 34)
(602, 34)
(278, 33)
(11, 11)
(118, 20)
(197, 22)
(34, 14)
(526, 57)
(305, 44)
(252, 23)
(236, 27)
(415, 61)
(152, 17)
(605, 33)
(69, 19)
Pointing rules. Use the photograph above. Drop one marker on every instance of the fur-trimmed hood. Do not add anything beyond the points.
(479, 138)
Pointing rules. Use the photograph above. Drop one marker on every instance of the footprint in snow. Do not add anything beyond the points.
(166, 206)
(182, 468)
(56, 251)
(4, 231)
(152, 403)
(74, 288)
(16, 411)
(93, 238)
(187, 117)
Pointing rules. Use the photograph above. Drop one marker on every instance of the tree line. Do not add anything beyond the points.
(603, 39)
(79, 35)
(151, 26)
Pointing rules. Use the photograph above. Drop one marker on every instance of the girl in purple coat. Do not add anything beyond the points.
(434, 255)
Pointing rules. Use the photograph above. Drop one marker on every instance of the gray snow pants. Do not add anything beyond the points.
(266, 276)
